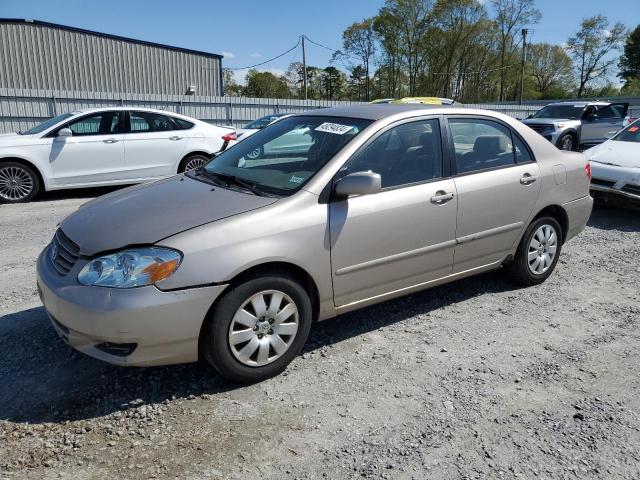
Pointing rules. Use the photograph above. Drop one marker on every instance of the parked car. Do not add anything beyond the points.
(234, 261)
(578, 125)
(615, 166)
(255, 126)
(425, 101)
(104, 146)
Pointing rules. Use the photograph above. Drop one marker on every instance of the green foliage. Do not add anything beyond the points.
(629, 64)
(265, 84)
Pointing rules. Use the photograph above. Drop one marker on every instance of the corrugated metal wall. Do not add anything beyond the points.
(34, 56)
(21, 109)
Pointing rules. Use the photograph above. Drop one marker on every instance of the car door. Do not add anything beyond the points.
(497, 182)
(590, 130)
(93, 154)
(405, 234)
(153, 145)
(610, 119)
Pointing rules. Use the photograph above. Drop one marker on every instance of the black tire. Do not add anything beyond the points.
(214, 339)
(197, 158)
(568, 142)
(519, 270)
(27, 174)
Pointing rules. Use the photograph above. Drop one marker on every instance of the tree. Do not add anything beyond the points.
(231, 87)
(590, 47)
(359, 41)
(265, 85)
(550, 67)
(629, 64)
(333, 83)
(511, 17)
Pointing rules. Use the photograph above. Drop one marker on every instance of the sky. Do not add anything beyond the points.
(252, 31)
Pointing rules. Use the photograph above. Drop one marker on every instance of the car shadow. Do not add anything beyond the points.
(610, 218)
(44, 380)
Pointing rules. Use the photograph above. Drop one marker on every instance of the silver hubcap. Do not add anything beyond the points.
(567, 143)
(253, 154)
(263, 328)
(15, 183)
(194, 163)
(542, 249)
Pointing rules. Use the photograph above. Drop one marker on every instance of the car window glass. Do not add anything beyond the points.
(591, 110)
(150, 122)
(481, 144)
(87, 125)
(521, 151)
(408, 153)
(629, 134)
(609, 112)
(114, 126)
(182, 124)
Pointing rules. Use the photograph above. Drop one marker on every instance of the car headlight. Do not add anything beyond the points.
(129, 268)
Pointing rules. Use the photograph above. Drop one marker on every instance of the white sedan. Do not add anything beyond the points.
(615, 167)
(104, 146)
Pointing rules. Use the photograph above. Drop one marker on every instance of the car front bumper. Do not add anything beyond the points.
(619, 185)
(141, 326)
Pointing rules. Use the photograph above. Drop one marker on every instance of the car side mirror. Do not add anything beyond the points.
(65, 132)
(358, 183)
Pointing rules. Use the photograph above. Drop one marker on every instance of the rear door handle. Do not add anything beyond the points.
(175, 137)
(110, 140)
(441, 197)
(527, 179)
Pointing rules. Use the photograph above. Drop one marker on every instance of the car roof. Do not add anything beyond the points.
(126, 107)
(581, 103)
(375, 111)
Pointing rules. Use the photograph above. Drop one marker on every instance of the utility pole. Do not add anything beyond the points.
(524, 61)
(304, 68)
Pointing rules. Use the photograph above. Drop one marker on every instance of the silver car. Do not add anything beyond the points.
(233, 262)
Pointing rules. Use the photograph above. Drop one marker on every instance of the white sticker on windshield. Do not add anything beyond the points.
(295, 179)
(333, 128)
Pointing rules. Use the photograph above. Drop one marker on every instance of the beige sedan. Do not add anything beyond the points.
(234, 261)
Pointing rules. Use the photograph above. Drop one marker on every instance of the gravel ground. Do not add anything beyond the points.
(472, 380)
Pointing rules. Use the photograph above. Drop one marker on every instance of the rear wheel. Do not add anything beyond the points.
(18, 183)
(192, 162)
(537, 253)
(257, 328)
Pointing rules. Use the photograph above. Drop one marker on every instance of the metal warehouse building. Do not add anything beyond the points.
(41, 55)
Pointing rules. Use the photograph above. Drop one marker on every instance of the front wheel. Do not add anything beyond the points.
(537, 253)
(257, 328)
(18, 183)
(567, 142)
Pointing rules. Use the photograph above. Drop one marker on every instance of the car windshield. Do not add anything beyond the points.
(571, 112)
(261, 122)
(281, 158)
(44, 125)
(629, 134)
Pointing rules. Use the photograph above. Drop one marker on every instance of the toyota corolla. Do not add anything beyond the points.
(234, 261)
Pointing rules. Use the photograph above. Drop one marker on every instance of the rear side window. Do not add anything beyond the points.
(182, 124)
(481, 144)
(521, 151)
(610, 112)
(141, 122)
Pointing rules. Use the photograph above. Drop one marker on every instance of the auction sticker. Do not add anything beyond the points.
(333, 128)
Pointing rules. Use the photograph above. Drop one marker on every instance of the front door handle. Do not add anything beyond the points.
(441, 197)
(527, 179)
(110, 140)
(175, 137)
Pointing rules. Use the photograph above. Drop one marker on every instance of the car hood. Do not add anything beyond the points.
(145, 214)
(612, 152)
(14, 139)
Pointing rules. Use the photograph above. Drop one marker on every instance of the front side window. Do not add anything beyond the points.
(141, 122)
(481, 144)
(282, 157)
(406, 154)
(99, 124)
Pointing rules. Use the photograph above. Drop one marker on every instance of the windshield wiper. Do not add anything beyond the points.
(245, 184)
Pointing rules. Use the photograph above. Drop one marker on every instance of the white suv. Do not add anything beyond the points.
(104, 146)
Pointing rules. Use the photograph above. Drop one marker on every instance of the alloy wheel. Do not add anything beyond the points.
(15, 183)
(542, 249)
(253, 154)
(567, 143)
(263, 328)
(195, 162)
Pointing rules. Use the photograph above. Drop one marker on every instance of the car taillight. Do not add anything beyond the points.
(587, 170)
(230, 136)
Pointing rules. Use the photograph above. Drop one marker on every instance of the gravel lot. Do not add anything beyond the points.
(476, 379)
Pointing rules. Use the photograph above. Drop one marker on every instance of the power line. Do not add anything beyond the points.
(267, 61)
(320, 45)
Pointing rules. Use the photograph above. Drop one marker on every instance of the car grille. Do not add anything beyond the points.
(63, 253)
(540, 128)
(604, 183)
(635, 189)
